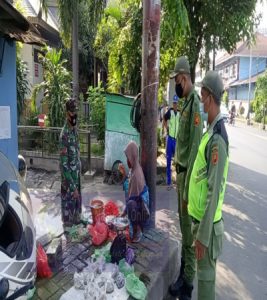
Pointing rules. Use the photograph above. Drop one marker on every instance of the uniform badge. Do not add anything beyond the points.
(214, 155)
(196, 119)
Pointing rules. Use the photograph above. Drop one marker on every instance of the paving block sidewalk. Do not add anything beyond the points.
(156, 263)
(157, 255)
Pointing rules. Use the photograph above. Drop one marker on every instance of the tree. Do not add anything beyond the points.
(119, 38)
(225, 98)
(217, 25)
(97, 101)
(56, 86)
(22, 84)
(68, 13)
(260, 102)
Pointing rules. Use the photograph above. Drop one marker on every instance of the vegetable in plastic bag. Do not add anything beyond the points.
(136, 287)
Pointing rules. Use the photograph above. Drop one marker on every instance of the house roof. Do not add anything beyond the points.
(32, 8)
(47, 25)
(16, 27)
(259, 49)
(246, 81)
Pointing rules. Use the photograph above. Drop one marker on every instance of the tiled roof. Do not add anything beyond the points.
(259, 49)
(246, 81)
(15, 26)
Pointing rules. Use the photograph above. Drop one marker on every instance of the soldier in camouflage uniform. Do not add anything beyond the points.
(187, 143)
(70, 166)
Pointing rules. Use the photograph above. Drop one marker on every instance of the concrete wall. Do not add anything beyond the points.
(52, 163)
(258, 65)
(35, 75)
(8, 97)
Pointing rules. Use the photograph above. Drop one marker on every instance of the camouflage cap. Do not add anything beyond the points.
(71, 105)
(182, 67)
(213, 82)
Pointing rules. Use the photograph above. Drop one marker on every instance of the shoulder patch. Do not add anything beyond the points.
(214, 155)
(196, 119)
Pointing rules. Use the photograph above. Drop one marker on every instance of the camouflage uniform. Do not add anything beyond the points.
(70, 174)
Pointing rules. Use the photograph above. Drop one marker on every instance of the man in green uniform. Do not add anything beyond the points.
(188, 139)
(70, 166)
(207, 188)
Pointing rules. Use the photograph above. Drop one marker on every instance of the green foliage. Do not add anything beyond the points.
(32, 119)
(97, 104)
(118, 44)
(260, 102)
(22, 84)
(97, 149)
(56, 86)
(225, 98)
(174, 28)
(217, 25)
(66, 11)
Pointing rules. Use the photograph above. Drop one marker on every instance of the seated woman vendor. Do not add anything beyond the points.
(136, 193)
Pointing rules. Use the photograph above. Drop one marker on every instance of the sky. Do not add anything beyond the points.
(262, 8)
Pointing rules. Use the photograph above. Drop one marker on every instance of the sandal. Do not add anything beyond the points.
(138, 237)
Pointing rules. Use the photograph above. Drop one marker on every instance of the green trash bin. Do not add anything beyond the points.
(119, 131)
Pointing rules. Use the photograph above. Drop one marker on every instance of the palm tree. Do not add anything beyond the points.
(68, 15)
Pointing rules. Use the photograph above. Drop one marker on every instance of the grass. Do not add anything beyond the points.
(97, 149)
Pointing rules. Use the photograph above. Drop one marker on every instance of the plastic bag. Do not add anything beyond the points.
(77, 233)
(130, 256)
(136, 287)
(43, 269)
(104, 251)
(112, 235)
(111, 209)
(125, 268)
(99, 233)
(118, 248)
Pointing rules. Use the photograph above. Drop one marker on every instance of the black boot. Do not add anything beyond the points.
(174, 288)
(185, 292)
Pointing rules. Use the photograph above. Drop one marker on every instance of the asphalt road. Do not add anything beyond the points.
(242, 268)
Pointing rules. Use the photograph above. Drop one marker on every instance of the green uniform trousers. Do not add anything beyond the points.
(206, 267)
(188, 253)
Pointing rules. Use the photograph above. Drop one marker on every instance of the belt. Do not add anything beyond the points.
(180, 169)
(172, 137)
(195, 221)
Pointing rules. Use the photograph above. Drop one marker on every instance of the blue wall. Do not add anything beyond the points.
(241, 92)
(8, 97)
(258, 65)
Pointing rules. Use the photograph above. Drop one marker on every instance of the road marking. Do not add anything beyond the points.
(259, 136)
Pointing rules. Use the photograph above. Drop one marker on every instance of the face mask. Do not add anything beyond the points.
(73, 120)
(179, 90)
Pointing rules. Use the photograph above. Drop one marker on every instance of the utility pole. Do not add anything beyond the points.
(249, 84)
(75, 54)
(149, 107)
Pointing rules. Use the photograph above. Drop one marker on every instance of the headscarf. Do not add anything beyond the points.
(137, 179)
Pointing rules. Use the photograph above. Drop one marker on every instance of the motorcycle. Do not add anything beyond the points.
(232, 118)
(17, 235)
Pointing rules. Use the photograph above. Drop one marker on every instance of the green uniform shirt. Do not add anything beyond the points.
(215, 166)
(189, 136)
